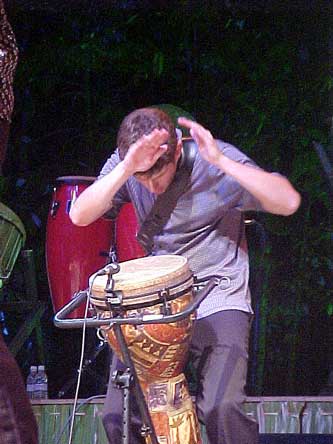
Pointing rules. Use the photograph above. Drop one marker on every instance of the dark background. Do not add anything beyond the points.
(257, 74)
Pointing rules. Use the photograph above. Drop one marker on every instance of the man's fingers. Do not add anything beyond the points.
(187, 123)
(201, 135)
(190, 124)
(151, 142)
(148, 149)
(156, 137)
(196, 130)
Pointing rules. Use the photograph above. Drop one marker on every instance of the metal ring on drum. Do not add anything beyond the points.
(151, 286)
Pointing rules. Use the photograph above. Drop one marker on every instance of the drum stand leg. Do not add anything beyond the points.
(124, 381)
(129, 381)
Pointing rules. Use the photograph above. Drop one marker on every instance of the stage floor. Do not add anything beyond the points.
(275, 415)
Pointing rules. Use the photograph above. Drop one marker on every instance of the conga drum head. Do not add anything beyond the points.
(75, 180)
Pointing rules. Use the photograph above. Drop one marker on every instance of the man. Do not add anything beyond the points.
(206, 227)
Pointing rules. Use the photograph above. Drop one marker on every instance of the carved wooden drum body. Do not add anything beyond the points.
(157, 285)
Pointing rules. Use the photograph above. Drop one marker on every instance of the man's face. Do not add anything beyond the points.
(159, 182)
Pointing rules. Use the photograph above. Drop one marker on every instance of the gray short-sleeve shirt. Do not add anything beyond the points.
(206, 227)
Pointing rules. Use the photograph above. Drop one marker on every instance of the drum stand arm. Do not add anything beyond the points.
(61, 321)
(128, 381)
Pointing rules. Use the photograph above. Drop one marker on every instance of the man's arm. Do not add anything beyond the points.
(274, 192)
(96, 200)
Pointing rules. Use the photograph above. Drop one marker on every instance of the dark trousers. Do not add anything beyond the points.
(219, 355)
(17, 421)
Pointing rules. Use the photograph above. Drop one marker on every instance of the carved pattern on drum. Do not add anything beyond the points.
(158, 360)
(161, 360)
(157, 396)
(181, 393)
(162, 351)
(169, 395)
(184, 428)
(170, 404)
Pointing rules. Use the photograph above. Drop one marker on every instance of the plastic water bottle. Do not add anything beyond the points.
(41, 387)
(31, 381)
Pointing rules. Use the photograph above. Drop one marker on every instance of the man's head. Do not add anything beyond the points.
(144, 121)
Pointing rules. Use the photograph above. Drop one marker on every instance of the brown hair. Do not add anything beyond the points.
(144, 121)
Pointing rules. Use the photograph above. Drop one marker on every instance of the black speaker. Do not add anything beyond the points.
(295, 438)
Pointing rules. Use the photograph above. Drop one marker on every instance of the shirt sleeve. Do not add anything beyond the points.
(121, 196)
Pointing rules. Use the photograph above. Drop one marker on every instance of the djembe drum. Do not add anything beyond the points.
(150, 286)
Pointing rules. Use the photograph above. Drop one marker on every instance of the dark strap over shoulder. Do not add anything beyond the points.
(166, 202)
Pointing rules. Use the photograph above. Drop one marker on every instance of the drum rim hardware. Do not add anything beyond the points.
(149, 298)
(60, 319)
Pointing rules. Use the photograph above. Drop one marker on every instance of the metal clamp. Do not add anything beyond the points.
(166, 307)
(114, 300)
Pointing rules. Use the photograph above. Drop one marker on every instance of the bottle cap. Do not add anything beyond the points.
(33, 368)
(41, 367)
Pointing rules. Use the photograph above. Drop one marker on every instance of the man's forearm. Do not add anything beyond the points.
(96, 200)
(274, 192)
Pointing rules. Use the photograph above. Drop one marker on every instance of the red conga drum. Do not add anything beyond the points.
(127, 247)
(73, 253)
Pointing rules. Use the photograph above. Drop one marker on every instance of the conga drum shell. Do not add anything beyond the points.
(126, 228)
(73, 253)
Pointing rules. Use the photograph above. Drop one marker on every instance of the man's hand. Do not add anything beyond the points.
(206, 143)
(144, 153)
